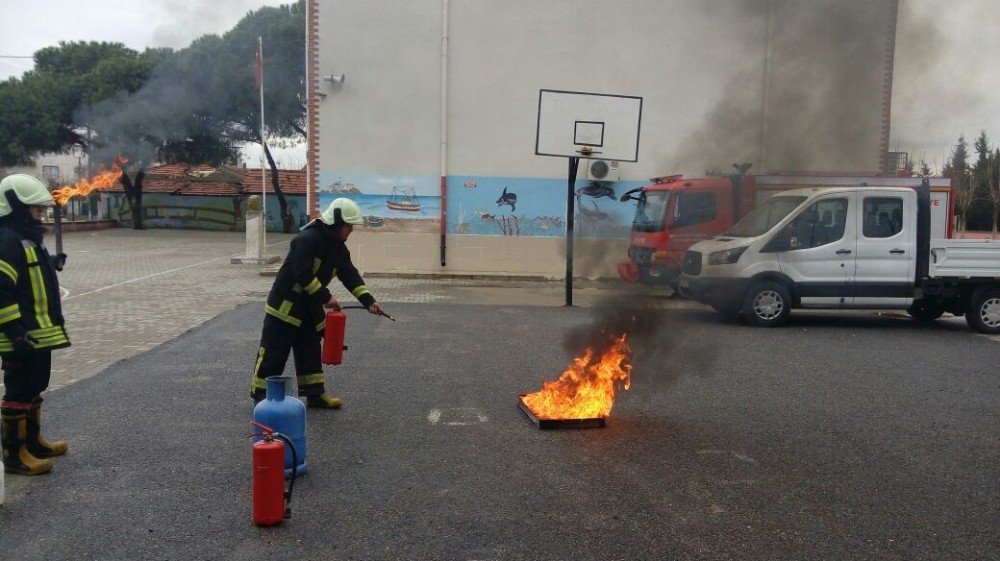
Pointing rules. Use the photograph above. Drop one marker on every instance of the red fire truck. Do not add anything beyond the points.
(674, 213)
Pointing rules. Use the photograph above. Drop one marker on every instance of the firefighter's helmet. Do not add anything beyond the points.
(342, 211)
(26, 189)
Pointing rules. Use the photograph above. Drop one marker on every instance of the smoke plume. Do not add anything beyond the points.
(807, 95)
(666, 343)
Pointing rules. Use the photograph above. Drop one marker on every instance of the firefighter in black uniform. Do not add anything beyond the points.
(31, 324)
(294, 317)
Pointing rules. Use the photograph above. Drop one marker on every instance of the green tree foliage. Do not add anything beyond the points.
(200, 104)
(39, 112)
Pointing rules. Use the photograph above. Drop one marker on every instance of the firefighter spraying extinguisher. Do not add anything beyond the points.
(271, 501)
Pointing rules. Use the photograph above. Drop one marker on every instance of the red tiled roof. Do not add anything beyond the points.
(291, 181)
(205, 180)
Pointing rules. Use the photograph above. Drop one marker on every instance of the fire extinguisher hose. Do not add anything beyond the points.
(357, 307)
(295, 469)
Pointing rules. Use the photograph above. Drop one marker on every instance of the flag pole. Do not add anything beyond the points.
(263, 173)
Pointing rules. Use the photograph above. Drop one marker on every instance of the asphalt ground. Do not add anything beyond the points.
(848, 436)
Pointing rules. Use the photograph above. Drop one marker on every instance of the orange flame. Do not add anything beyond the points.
(586, 389)
(101, 181)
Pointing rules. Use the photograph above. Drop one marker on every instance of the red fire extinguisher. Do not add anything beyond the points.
(271, 502)
(333, 337)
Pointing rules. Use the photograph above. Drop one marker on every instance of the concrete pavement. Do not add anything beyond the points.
(847, 437)
(126, 291)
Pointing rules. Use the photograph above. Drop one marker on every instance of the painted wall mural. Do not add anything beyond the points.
(481, 205)
(509, 206)
(163, 210)
(389, 203)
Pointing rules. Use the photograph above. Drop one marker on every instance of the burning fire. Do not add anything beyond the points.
(101, 181)
(586, 389)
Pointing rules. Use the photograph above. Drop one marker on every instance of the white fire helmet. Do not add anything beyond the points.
(28, 189)
(348, 210)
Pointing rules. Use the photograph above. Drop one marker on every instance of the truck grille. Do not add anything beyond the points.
(692, 263)
(640, 254)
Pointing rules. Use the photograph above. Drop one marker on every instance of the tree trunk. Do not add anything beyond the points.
(287, 220)
(133, 194)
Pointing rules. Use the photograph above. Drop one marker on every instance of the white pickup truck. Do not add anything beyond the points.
(853, 247)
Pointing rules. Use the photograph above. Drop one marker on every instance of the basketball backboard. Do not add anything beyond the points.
(588, 125)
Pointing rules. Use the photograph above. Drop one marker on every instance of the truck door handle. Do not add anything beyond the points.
(843, 251)
(897, 251)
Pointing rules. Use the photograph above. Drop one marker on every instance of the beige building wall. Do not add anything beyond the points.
(690, 60)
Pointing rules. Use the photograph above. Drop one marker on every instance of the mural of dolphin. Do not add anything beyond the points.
(597, 190)
(507, 199)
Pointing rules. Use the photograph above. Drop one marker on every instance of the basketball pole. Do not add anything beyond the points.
(574, 164)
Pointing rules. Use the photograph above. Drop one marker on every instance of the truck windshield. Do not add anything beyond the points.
(651, 212)
(764, 217)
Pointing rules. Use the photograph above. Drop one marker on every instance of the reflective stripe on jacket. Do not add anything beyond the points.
(315, 256)
(29, 294)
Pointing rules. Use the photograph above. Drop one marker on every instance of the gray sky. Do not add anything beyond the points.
(947, 78)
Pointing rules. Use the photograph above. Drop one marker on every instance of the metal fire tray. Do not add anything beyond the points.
(549, 424)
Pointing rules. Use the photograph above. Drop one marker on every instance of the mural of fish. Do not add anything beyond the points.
(506, 198)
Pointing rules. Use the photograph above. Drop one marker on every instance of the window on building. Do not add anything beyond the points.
(51, 173)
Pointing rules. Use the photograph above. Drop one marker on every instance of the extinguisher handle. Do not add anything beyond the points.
(268, 431)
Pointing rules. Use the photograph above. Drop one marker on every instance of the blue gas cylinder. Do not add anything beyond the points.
(286, 415)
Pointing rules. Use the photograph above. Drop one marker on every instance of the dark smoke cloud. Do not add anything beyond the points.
(824, 88)
(667, 344)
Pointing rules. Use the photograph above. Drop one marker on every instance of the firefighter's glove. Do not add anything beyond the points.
(25, 343)
(59, 261)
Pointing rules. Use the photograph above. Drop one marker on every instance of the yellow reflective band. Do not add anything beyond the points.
(321, 325)
(256, 368)
(283, 314)
(8, 270)
(309, 379)
(316, 264)
(9, 314)
(360, 291)
(313, 287)
(41, 299)
(37, 285)
(29, 252)
(48, 337)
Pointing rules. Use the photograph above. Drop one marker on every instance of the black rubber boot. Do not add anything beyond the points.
(36, 443)
(16, 458)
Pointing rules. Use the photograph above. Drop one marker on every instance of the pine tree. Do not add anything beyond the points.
(957, 169)
(925, 170)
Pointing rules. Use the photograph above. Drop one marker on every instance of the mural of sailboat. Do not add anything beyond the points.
(402, 198)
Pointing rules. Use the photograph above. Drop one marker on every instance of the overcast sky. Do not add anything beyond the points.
(947, 78)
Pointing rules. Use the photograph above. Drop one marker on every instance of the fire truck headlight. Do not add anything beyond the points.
(726, 256)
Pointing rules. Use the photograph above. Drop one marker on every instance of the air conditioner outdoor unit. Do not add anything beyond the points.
(603, 170)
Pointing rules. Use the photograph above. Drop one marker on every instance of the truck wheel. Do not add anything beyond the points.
(983, 314)
(924, 310)
(767, 304)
